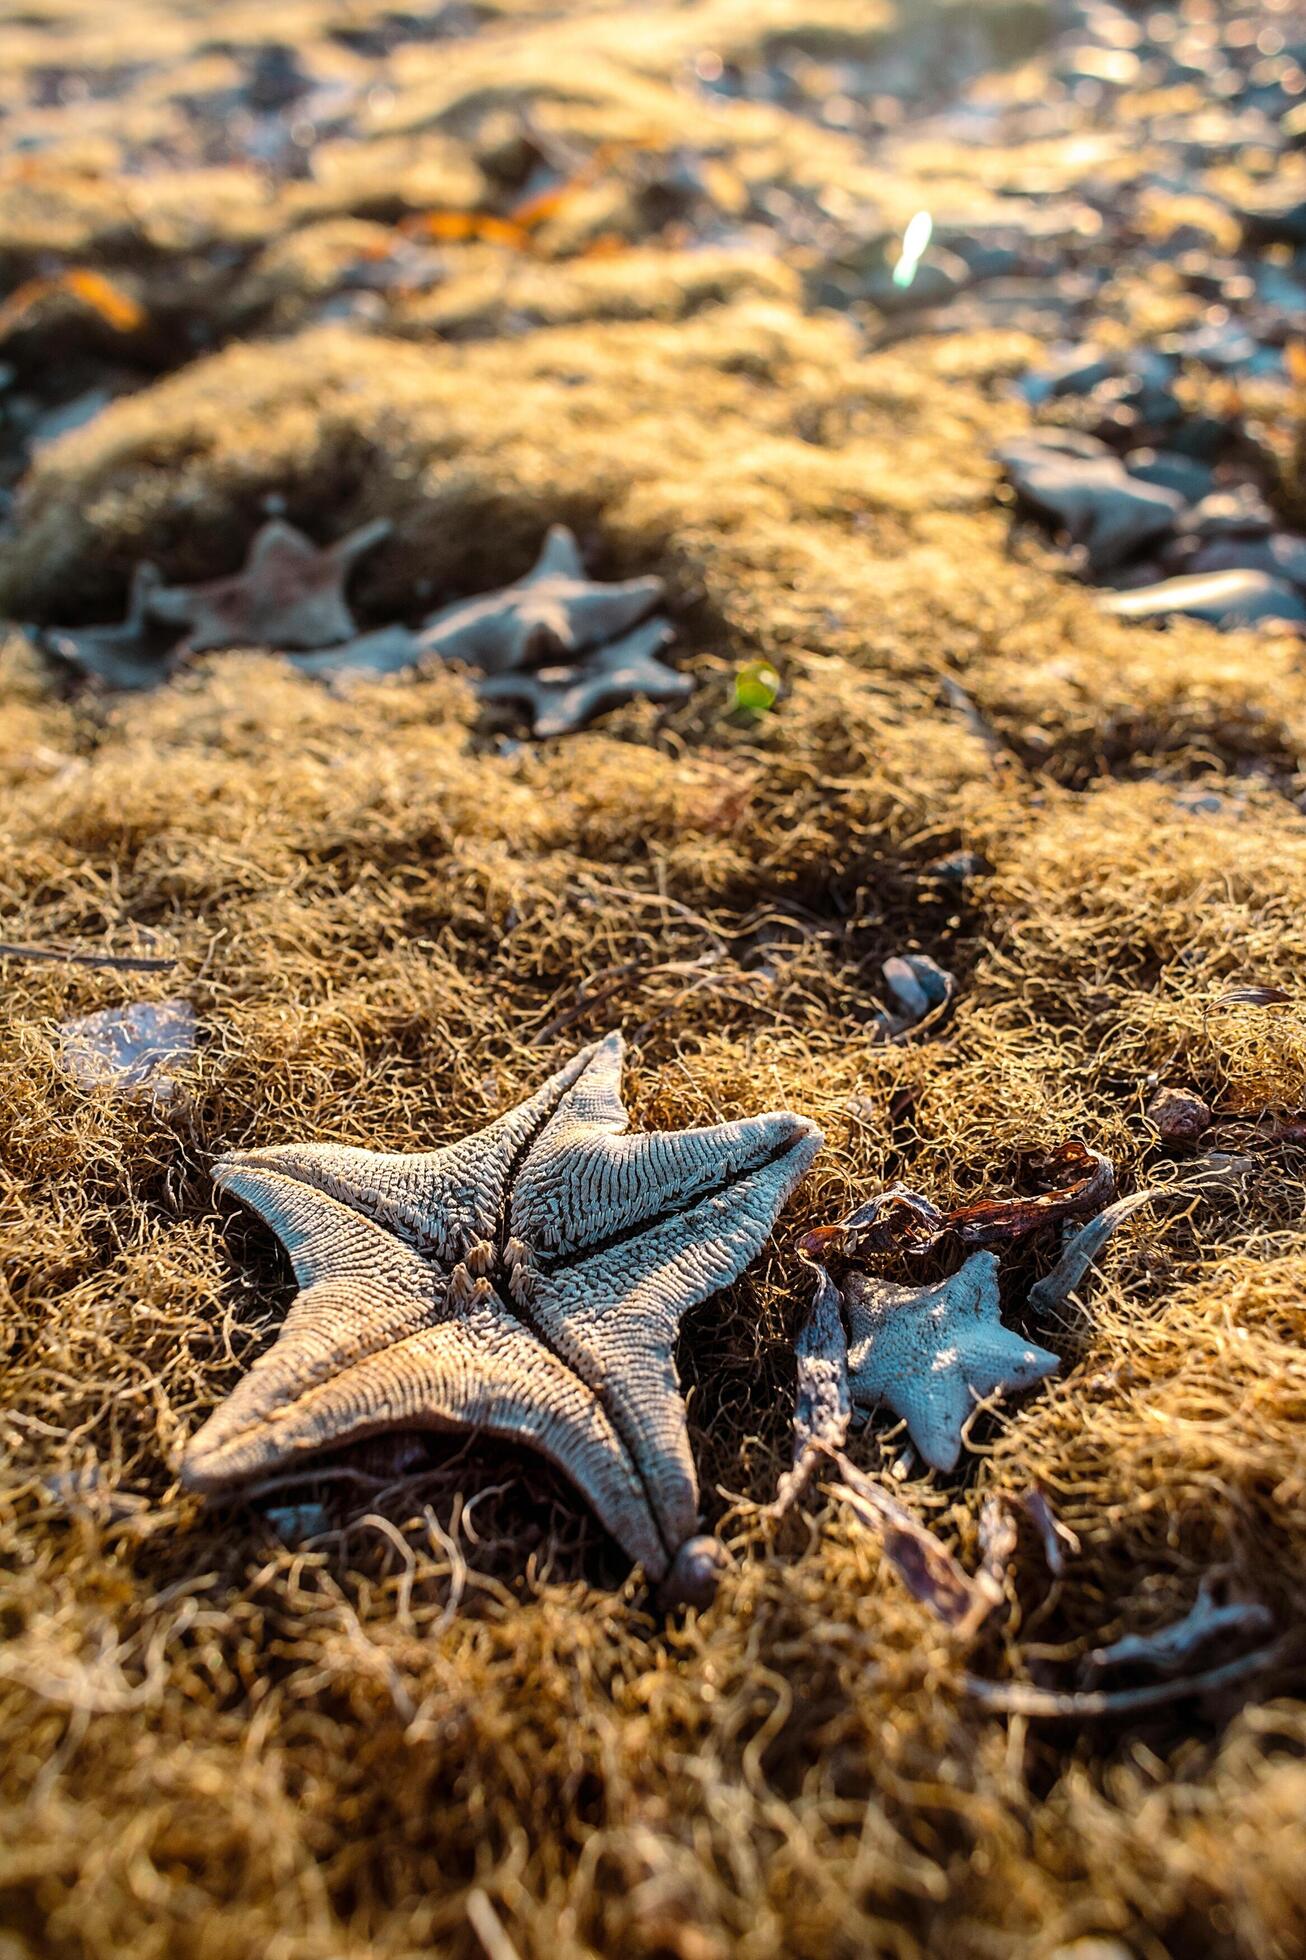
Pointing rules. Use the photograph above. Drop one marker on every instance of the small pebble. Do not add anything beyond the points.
(1178, 1116)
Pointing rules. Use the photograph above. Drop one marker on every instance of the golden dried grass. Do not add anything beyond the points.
(218, 1742)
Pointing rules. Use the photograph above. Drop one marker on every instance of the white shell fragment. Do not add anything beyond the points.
(131, 1048)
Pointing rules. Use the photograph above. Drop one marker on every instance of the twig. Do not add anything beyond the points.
(487, 1926)
(124, 962)
(1050, 1704)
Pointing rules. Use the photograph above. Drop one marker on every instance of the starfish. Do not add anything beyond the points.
(554, 609)
(288, 593)
(930, 1352)
(561, 699)
(116, 655)
(527, 1282)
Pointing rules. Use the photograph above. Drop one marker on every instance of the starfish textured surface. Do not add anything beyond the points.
(562, 699)
(930, 1352)
(554, 609)
(528, 1281)
(288, 593)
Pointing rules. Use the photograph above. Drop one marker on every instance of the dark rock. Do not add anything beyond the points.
(1230, 513)
(1275, 219)
(1201, 436)
(1077, 371)
(1224, 599)
(1282, 556)
(938, 277)
(1188, 479)
(1217, 344)
(1109, 512)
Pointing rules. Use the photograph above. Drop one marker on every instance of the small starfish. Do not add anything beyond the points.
(116, 655)
(555, 609)
(288, 593)
(561, 699)
(930, 1352)
(527, 1282)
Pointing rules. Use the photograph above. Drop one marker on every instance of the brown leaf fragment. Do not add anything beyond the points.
(1056, 1539)
(823, 1407)
(1253, 997)
(923, 1562)
(117, 308)
(1080, 1179)
(897, 1219)
(1171, 1648)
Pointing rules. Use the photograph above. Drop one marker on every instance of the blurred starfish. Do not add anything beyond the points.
(288, 593)
(555, 609)
(930, 1353)
(117, 655)
(527, 1282)
(561, 699)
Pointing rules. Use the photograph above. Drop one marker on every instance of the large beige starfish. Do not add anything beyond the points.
(528, 1282)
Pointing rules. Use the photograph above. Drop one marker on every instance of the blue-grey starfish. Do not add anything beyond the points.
(554, 610)
(120, 655)
(527, 1282)
(930, 1353)
(563, 698)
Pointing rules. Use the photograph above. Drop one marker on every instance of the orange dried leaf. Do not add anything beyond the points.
(458, 227)
(119, 309)
(108, 300)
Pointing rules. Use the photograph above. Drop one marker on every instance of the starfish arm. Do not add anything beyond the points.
(973, 1289)
(106, 653)
(565, 1201)
(559, 557)
(314, 1389)
(436, 1200)
(584, 1181)
(612, 1312)
(347, 551)
(933, 1400)
(606, 612)
(277, 543)
(487, 633)
(385, 650)
(998, 1358)
(369, 1345)
(565, 698)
